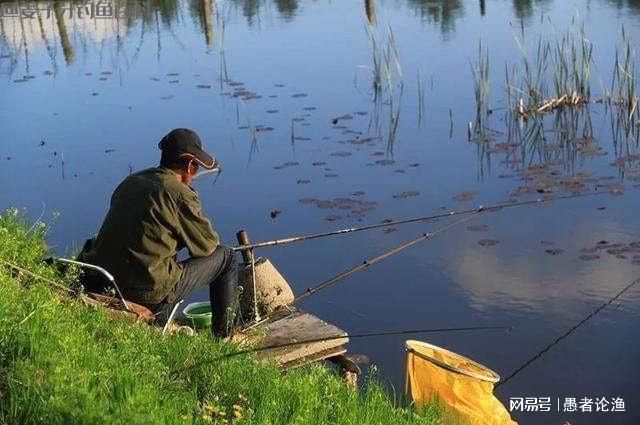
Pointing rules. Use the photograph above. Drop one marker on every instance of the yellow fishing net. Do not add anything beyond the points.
(462, 385)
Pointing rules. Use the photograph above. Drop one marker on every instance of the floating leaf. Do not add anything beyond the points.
(324, 204)
(345, 117)
(555, 251)
(333, 217)
(488, 242)
(406, 194)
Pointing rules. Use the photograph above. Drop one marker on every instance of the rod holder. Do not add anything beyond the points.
(249, 258)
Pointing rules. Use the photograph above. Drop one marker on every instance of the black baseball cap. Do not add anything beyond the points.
(181, 142)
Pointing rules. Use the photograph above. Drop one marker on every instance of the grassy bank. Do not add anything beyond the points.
(64, 363)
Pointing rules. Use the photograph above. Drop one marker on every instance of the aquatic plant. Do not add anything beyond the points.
(387, 81)
(386, 71)
(420, 91)
(482, 88)
(624, 91)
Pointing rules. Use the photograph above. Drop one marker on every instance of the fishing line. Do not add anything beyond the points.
(567, 333)
(349, 336)
(496, 207)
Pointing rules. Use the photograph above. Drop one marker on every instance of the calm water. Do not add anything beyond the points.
(85, 101)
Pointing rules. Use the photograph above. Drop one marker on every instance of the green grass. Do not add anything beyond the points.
(64, 363)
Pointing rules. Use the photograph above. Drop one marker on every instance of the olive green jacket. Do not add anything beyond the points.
(151, 217)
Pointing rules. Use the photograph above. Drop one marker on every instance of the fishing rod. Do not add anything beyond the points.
(386, 254)
(366, 263)
(350, 336)
(567, 333)
(496, 207)
(37, 276)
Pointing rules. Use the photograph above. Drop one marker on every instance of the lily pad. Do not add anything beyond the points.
(333, 217)
(488, 242)
(406, 194)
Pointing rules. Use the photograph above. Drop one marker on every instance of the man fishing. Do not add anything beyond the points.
(155, 213)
